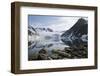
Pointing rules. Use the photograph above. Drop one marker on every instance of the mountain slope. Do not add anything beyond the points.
(79, 29)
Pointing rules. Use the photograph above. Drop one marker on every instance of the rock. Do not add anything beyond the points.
(68, 49)
(43, 55)
(64, 54)
(54, 56)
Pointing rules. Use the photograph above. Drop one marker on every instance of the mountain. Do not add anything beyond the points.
(37, 30)
(78, 31)
(40, 29)
(31, 30)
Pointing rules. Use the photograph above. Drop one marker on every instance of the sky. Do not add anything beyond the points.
(57, 23)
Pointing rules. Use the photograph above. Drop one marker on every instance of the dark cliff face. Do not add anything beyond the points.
(77, 34)
(79, 28)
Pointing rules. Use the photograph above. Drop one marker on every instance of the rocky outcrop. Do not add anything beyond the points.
(43, 55)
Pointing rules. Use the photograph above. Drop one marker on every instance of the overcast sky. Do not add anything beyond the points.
(57, 23)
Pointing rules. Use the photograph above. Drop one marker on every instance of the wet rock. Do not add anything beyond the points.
(61, 53)
(55, 56)
(72, 52)
(68, 49)
(43, 55)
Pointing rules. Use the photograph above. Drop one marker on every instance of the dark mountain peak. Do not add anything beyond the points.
(81, 21)
(77, 30)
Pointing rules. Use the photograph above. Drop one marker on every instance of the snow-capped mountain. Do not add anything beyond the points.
(39, 29)
(43, 29)
(39, 33)
(31, 30)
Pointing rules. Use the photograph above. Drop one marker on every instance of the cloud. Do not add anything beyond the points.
(57, 23)
(63, 23)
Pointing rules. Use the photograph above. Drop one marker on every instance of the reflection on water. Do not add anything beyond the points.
(48, 44)
(56, 48)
